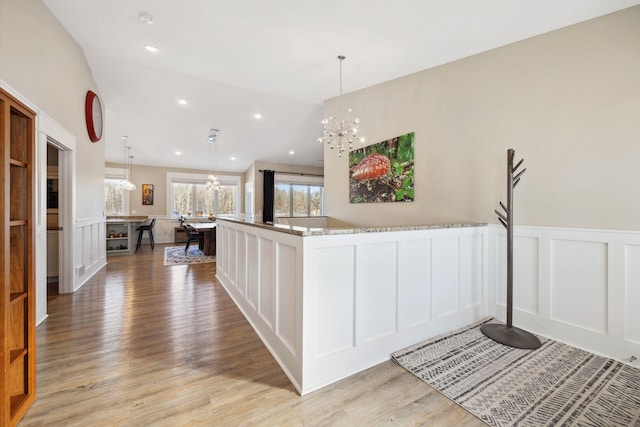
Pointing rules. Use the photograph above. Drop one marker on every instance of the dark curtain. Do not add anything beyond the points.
(268, 192)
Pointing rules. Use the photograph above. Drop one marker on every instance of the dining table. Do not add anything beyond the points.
(208, 230)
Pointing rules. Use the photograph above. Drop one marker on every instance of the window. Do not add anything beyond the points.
(282, 200)
(189, 196)
(116, 200)
(300, 196)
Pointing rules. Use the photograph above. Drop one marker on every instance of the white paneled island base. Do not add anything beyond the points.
(332, 302)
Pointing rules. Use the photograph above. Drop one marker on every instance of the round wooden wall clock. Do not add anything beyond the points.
(93, 116)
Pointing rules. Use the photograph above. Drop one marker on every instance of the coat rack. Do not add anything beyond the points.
(509, 334)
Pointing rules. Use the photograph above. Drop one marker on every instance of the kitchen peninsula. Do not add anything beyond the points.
(330, 302)
(119, 234)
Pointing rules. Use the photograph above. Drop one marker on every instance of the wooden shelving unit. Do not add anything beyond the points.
(17, 260)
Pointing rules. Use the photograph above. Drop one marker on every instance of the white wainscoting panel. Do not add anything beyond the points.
(242, 264)
(632, 294)
(332, 305)
(232, 261)
(253, 271)
(471, 270)
(376, 277)
(287, 294)
(578, 286)
(445, 276)
(334, 314)
(414, 282)
(267, 281)
(393, 275)
(89, 249)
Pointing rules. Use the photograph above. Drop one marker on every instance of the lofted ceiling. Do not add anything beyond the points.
(232, 59)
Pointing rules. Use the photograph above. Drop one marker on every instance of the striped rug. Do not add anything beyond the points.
(555, 385)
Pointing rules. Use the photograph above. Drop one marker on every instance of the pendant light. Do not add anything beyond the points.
(340, 133)
(125, 183)
(213, 183)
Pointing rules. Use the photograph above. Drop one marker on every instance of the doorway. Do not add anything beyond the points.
(65, 218)
(53, 224)
(52, 136)
(248, 201)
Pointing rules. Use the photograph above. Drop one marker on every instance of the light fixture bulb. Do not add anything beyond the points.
(150, 48)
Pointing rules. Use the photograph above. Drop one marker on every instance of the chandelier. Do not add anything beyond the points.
(124, 182)
(340, 133)
(213, 183)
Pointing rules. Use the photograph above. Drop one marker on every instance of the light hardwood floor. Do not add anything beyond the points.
(143, 344)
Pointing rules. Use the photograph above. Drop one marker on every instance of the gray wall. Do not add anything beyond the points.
(567, 101)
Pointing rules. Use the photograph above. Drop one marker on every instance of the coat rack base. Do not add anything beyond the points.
(511, 336)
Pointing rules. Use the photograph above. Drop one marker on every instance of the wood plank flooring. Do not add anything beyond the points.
(143, 344)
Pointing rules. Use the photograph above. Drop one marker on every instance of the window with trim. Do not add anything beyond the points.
(298, 196)
(116, 198)
(189, 196)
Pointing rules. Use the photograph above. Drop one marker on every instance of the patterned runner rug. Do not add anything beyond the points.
(174, 255)
(555, 385)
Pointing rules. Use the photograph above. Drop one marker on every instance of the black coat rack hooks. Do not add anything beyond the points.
(509, 334)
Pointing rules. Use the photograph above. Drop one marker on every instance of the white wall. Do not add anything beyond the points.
(42, 63)
(568, 102)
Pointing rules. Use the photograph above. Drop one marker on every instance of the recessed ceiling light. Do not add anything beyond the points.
(257, 116)
(150, 48)
(182, 101)
(232, 158)
(178, 153)
(292, 152)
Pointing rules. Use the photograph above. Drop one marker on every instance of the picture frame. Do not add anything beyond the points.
(383, 172)
(147, 194)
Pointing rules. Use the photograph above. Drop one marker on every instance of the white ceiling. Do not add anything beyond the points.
(231, 59)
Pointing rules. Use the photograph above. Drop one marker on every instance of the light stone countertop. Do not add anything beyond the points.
(305, 231)
(123, 219)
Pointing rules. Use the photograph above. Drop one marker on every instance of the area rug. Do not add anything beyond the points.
(174, 255)
(555, 385)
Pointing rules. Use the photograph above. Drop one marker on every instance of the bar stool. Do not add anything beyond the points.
(148, 226)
